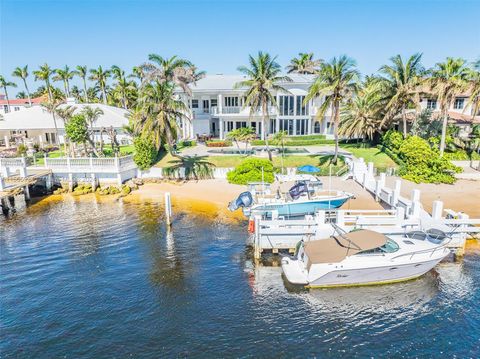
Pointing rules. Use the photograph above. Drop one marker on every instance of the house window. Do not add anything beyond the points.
(286, 125)
(16, 108)
(459, 103)
(302, 109)
(194, 103)
(431, 104)
(5, 108)
(213, 102)
(231, 101)
(301, 127)
(317, 127)
(273, 125)
(229, 126)
(206, 106)
(286, 105)
(240, 124)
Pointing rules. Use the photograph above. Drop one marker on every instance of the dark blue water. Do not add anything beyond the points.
(92, 280)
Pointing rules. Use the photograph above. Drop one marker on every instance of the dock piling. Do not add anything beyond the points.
(168, 209)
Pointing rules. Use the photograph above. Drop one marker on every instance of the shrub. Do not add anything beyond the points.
(76, 129)
(424, 164)
(297, 142)
(461, 155)
(250, 170)
(145, 153)
(187, 143)
(21, 149)
(393, 140)
(218, 143)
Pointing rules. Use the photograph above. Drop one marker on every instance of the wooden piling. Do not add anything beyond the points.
(168, 209)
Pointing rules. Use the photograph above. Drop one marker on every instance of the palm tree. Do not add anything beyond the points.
(4, 83)
(304, 64)
(22, 73)
(474, 85)
(447, 80)
(361, 117)
(82, 72)
(100, 76)
(64, 75)
(123, 86)
(137, 72)
(336, 82)
(44, 74)
(196, 167)
(21, 95)
(52, 106)
(263, 78)
(91, 116)
(157, 112)
(173, 70)
(402, 80)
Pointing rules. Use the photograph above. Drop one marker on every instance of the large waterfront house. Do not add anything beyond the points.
(37, 125)
(217, 108)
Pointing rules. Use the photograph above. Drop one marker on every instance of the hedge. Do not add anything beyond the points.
(297, 142)
(217, 143)
(252, 170)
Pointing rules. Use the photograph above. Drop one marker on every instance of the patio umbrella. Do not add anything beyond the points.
(308, 169)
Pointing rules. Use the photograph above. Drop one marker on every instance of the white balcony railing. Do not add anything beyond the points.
(238, 110)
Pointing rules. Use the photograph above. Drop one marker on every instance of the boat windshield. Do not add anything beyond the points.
(389, 247)
(433, 235)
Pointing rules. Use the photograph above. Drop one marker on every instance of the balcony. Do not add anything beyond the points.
(240, 111)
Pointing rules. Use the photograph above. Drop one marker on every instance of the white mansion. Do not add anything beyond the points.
(218, 108)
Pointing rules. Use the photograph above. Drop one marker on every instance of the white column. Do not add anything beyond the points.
(219, 103)
(309, 126)
(220, 125)
(40, 140)
(437, 209)
(7, 141)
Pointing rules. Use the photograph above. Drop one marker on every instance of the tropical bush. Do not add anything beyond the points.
(76, 129)
(298, 142)
(423, 163)
(21, 149)
(250, 170)
(187, 143)
(393, 140)
(145, 153)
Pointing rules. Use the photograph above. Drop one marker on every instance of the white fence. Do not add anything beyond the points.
(90, 164)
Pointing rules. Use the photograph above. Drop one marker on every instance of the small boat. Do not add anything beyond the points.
(306, 196)
(364, 257)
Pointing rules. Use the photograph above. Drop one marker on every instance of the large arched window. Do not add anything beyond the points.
(316, 127)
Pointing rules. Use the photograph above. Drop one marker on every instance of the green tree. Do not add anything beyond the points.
(263, 77)
(64, 75)
(361, 117)
(157, 113)
(100, 76)
(21, 95)
(402, 81)
(243, 134)
(337, 82)
(82, 72)
(252, 170)
(4, 84)
(22, 73)
(304, 64)
(473, 79)
(44, 73)
(447, 80)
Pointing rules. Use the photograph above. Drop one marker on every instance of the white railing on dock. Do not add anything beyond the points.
(90, 164)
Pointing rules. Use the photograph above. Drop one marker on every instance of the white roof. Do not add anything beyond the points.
(227, 82)
(38, 118)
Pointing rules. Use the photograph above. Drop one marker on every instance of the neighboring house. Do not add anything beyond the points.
(36, 125)
(217, 108)
(17, 104)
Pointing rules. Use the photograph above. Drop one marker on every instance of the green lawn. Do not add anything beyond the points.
(370, 154)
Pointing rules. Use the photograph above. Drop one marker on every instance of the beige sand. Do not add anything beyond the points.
(462, 196)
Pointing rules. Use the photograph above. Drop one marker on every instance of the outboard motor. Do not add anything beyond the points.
(297, 190)
(245, 199)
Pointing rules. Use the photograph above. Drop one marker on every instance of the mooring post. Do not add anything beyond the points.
(461, 250)
(400, 214)
(45, 160)
(257, 252)
(94, 181)
(2, 184)
(437, 209)
(49, 182)
(23, 169)
(415, 210)
(396, 192)
(168, 208)
(26, 191)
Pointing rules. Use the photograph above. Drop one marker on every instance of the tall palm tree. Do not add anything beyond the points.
(173, 70)
(474, 87)
(263, 77)
(4, 83)
(157, 112)
(92, 114)
(123, 86)
(402, 80)
(361, 116)
(336, 82)
(21, 95)
(44, 73)
(52, 106)
(137, 72)
(64, 75)
(100, 76)
(22, 73)
(82, 72)
(448, 79)
(304, 64)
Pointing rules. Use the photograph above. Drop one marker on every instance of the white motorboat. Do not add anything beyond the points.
(365, 257)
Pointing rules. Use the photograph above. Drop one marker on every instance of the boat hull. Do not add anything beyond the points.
(374, 276)
(296, 209)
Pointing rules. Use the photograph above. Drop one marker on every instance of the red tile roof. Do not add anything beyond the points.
(22, 101)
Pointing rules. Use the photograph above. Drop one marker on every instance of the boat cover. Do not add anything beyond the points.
(337, 248)
(297, 190)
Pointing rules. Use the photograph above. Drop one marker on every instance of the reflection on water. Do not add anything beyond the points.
(95, 278)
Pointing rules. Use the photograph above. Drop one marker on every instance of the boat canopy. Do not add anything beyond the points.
(338, 247)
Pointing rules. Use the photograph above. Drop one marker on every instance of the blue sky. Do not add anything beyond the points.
(218, 35)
